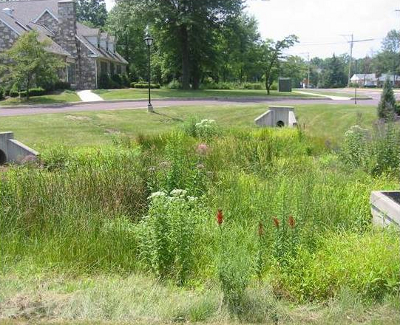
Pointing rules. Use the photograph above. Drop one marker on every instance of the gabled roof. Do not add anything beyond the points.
(27, 12)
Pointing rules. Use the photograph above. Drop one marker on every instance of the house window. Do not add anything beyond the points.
(103, 68)
(112, 71)
(71, 73)
(118, 69)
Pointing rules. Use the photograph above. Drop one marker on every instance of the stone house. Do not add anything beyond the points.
(88, 52)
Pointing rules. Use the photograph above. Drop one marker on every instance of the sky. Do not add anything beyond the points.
(324, 26)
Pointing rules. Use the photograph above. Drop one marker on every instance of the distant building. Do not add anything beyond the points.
(365, 80)
(87, 51)
(393, 80)
(371, 80)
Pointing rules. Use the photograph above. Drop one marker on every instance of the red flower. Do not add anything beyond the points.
(292, 222)
(260, 229)
(276, 222)
(220, 217)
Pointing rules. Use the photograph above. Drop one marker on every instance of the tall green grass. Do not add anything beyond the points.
(88, 211)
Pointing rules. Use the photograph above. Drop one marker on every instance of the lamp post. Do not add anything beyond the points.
(149, 42)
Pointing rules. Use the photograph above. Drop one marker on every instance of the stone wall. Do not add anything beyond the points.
(49, 21)
(65, 36)
(7, 37)
(87, 69)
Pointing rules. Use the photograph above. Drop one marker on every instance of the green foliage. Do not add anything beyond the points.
(30, 62)
(375, 153)
(270, 54)
(105, 82)
(142, 85)
(2, 93)
(92, 12)
(174, 84)
(168, 236)
(387, 104)
(88, 211)
(365, 263)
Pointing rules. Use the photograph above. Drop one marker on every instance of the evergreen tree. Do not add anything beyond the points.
(387, 104)
(92, 12)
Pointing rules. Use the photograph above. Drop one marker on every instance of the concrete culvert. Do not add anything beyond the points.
(3, 157)
(280, 124)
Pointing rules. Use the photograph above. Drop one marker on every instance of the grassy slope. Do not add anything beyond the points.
(59, 98)
(136, 299)
(172, 93)
(95, 128)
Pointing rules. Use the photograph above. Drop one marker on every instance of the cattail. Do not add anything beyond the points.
(220, 217)
(276, 222)
(292, 222)
(260, 229)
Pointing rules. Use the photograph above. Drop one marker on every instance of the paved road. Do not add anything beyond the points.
(159, 103)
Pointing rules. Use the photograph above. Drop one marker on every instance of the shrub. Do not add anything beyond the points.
(206, 128)
(37, 92)
(14, 91)
(174, 84)
(145, 85)
(125, 80)
(1, 93)
(105, 81)
(62, 85)
(387, 104)
(211, 84)
(168, 235)
(117, 80)
(365, 263)
(356, 150)
(254, 86)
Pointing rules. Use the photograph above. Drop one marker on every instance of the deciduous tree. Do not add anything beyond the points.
(28, 61)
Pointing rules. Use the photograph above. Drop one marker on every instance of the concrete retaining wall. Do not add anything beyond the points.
(13, 151)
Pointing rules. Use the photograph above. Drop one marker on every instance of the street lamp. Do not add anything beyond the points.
(149, 42)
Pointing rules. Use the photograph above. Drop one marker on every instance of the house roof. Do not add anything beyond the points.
(367, 76)
(26, 12)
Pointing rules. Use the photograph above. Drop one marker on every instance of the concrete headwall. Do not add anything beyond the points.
(13, 151)
(277, 116)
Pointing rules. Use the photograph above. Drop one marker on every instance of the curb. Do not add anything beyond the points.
(233, 99)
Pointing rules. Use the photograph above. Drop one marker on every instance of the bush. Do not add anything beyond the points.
(62, 85)
(105, 81)
(211, 84)
(1, 93)
(14, 91)
(365, 263)
(174, 84)
(254, 86)
(144, 85)
(117, 80)
(125, 80)
(168, 235)
(387, 104)
(36, 92)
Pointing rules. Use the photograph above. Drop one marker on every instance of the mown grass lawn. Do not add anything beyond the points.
(66, 96)
(131, 93)
(328, 121)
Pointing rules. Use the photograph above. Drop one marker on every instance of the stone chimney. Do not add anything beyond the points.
(67, 26)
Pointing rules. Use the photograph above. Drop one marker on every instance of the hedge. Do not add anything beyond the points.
(143, 85)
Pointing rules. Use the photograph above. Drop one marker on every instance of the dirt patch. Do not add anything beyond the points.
(78, 118)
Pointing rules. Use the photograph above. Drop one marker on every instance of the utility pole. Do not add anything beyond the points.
(352, 41)
(351, 59)
(309, 70)
(394, 70)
